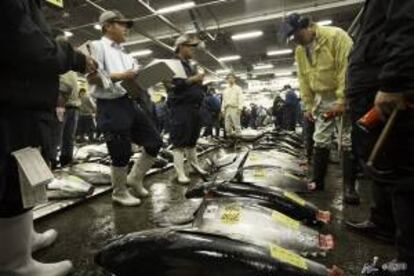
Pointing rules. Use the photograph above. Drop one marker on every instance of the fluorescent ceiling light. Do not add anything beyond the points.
(230, 58)
(280, 52)
(141, 53)
(68, 34)
(175, 8)
(223, 71)
(263, 66)
(324, 22)
(248, 35)
(97, 27)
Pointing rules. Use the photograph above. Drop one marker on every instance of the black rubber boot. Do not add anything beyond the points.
(320, 166)
(65, 160)
(349, 170)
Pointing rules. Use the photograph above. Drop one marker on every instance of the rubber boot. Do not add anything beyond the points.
(193, 160)
(120, 193)
(43, 240)
(349, 170)
(16, 250)
(179, 166)
(137, 174)
(320, 166)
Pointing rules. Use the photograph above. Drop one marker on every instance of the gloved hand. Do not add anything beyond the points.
(386, 102)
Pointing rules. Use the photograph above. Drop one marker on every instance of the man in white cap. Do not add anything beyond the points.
(184, 99)
(232, 106)
(120, 119)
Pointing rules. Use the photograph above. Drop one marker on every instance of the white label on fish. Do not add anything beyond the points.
(211, 212)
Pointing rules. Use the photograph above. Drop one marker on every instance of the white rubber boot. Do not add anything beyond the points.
(193, 160)
(16, 250)
(179, 166)
(43, 240)
(136, 176)
(120, 193)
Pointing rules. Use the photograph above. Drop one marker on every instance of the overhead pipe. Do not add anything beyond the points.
(154, 39)
(160, 16)
(263, 18)
(177, 29)
(353, 29)
(143, 18)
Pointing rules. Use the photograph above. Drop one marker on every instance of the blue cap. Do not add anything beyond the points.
(291, 24)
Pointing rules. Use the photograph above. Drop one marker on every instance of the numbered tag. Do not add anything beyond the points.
(211, 212)
(260, 173)
(231, 215)
(254, 157)
(288, 257)
(295, 198)
(285, 220)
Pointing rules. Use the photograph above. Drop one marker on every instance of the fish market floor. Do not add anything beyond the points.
(85, 228)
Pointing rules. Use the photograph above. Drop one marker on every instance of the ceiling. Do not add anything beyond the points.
(219, 18)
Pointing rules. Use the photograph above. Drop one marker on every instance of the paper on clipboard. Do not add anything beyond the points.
(175, 65)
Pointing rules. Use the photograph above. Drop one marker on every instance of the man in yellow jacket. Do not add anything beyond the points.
(322, 58)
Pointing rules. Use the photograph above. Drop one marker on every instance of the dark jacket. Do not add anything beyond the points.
(383, 52)
(278, 104)
(291, 98)
(30, 58)
(183, 94)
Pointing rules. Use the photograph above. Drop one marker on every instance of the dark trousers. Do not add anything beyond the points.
(308, 130)
(185, 126)
(50, 131)
(86, 126)
(279, 119)
(70, 124)
(123, 122)
(290, 117)
(18, 129)
(393, 193)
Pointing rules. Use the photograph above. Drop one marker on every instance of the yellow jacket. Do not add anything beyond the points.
(325, 75)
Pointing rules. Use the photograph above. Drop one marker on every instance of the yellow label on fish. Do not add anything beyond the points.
(231, 215)
(292, 176)
(260, 173)
(285, 220)
(58, 3)
(253, 157)
(295, 198)
(288, 257)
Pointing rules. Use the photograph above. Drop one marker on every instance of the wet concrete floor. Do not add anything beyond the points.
(85, 228)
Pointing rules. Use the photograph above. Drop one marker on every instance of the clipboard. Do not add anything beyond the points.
(148, 77)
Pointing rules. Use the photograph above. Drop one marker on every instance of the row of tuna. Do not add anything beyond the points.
(250, 222)
(92, 169)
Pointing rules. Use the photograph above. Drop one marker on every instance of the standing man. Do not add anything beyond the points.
(184, 99)
(69, 82)
(87, 111)
(322, 58)
(291, 103)
(162, 114)
(210, 111)
(119, 117)
(277, 111)
(30, 83)
(381, 75)
(232, 106)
